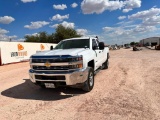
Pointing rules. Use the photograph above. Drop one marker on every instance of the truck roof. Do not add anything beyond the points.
(78, 38)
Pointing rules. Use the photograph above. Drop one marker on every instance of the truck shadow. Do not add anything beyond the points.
(28, 90)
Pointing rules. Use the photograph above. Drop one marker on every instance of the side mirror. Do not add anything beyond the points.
(101, 45)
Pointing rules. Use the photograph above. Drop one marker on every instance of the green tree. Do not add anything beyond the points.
(50, 38)
(132, 43)
(32, 38)
(43, 37)
(136, 43)
(60, 34)
(64, 33)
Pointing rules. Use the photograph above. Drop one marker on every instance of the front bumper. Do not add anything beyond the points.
(71, 77)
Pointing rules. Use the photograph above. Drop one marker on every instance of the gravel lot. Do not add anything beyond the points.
(128, 90)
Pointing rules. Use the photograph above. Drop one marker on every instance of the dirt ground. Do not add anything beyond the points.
(128, 90)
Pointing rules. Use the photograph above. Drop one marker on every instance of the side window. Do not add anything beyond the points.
(94, 43)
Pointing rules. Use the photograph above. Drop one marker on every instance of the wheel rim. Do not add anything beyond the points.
(91, 79)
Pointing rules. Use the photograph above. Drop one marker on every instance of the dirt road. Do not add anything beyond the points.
(128, 90)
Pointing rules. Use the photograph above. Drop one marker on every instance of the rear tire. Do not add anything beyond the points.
(88, 85)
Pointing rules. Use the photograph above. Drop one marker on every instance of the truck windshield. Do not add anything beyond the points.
(76, 43)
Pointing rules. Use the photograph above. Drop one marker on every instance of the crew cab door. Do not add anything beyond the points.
(98, 53)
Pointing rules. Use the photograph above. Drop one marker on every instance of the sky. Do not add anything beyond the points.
(113, 21)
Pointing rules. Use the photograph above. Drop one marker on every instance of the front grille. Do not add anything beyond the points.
(54, 60)
(41, 77)
(51, 68)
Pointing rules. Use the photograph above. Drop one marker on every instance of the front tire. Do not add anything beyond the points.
(88, 85)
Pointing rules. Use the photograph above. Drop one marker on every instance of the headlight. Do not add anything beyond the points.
(80, 58)
(77, 58)
(78, 66)
(77, 62)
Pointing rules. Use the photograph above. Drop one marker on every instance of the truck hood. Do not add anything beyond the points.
(72, 52)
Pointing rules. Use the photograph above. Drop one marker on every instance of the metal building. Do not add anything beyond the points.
(152, 41)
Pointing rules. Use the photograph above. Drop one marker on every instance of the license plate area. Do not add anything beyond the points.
(49, 85)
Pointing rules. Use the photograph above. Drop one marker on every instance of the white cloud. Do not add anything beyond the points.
(54, 26)
(148, 25)
(152, 21)
(36, 25)
(13, 37)
(143, 29)
(65, 24)
(4, 37)
(121, 17)
(59, 17)
(130, 4)
(126, 10)
(25, 1)
(117, 31)
(145, 14)
(129, 33)
(108, 29)
(60, 7)
(6, 19)
(99, 6)
(34, 34)
(74, 5)
(149, 17)
(68, 24)
(20, 40)
(82, 31)
(3, 31)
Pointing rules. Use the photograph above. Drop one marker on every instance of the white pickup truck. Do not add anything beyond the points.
(73, 62)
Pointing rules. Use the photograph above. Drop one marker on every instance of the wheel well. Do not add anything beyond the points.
(91, 64)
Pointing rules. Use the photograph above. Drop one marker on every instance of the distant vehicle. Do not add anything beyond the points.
(126, 46)
(136, 49)
(114, 47)
(157, 47)
(73, 62)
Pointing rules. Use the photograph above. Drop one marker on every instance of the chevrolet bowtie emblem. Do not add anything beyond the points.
(47, 64)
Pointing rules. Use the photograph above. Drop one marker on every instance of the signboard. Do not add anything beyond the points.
(20, 51)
